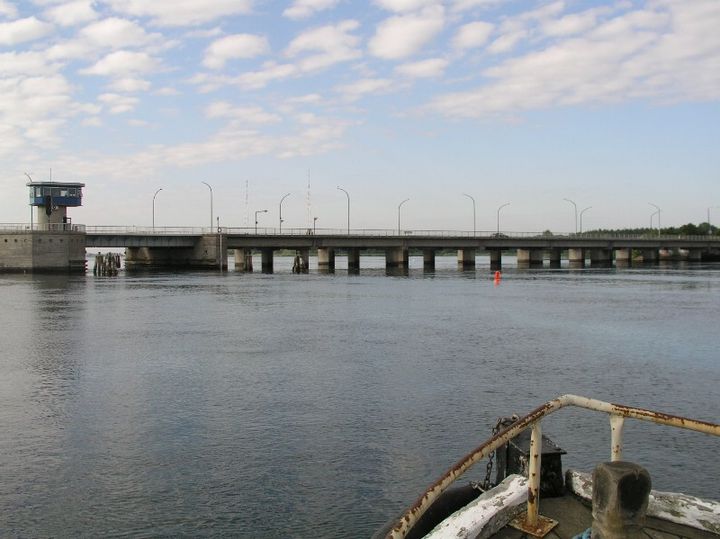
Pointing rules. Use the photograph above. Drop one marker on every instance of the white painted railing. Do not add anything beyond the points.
(617, 413)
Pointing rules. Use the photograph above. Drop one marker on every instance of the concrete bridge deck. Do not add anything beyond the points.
(208, 247)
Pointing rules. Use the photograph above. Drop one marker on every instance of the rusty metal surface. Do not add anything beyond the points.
(540, 528)
(416, 510)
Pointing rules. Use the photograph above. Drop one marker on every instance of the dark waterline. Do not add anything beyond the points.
(251, 405)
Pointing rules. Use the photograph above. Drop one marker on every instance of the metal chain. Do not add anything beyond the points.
(501, 423)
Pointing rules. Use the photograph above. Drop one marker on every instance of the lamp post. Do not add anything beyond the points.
(581, 214)
(281, 219)
(708, 220)
(498, 216)
(576, 213)
(314, 221)
(156, 192)
(211, 204)
(658, 214)
(348, 208)
(474, 221)
(399, 206)
(256, 219)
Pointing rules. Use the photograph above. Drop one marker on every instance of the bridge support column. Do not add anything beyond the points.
(396, 257)
(601, 257)
(466, 258)
(301, 263)
(267, 260)
(554, 255)
(326, 258)
(694, 255)
(529, 257)
(353, 256)
(495, 258)
(576, 257)
(243, 260)
(623, 257)
(429, 259)
(649, 256)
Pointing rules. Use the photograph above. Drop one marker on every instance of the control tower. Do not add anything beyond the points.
(52, 199)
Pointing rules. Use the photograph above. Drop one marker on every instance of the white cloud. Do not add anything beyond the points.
(167, 91)
(464, 5)
(182, 12)
(118, 104)
(72, 13)
(400, 6)
(327, 45)
(473, 35)
(432, 67)
(363, 87)
(22, 30)
(25, 63)
(8, 10)
(271, 71)
(402, 36)
(570, 24)
(253, 115)
(665, 55)
(122, 64)
(129, 85)
(301, 9)
(233, 47)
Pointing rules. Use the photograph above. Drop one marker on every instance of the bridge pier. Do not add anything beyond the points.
(353, 257)
(555, 256)
(304, 255)
(623, 257)
(649, 256)
(326, 259)
(495, 259)
(666, 254)
(429, 259)
(267, 260)
(530, 258)
(466, 258)
(243, 260)
(396, 257)
(576, 257)
(601, 257)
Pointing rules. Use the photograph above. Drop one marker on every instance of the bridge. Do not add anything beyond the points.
(62, 246)
(204, 247)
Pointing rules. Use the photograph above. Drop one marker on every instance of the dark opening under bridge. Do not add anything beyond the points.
(208, 248)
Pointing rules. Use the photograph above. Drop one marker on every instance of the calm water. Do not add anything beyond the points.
(250, 405)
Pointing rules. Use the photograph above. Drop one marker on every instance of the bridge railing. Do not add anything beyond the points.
(50, 227)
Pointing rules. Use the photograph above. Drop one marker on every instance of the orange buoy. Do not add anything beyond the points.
(498, 277)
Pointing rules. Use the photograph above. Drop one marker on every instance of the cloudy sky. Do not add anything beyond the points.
(613, 105)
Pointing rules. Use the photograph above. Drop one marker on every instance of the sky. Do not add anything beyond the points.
(611, 105)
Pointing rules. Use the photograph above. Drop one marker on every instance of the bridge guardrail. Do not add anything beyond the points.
(51, 227)
(377, 232)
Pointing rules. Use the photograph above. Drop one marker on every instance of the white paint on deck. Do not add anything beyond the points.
(487, 514)
(673, 507)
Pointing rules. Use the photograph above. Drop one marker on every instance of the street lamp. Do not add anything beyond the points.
(399, 206)
(658, 214)
(256, 219)
(281, 219)
(348, 208)
(156, 192)
(211, 204)
(576, 213)
(474, 221)
(708, 221)
(581, 214)
(498, 216)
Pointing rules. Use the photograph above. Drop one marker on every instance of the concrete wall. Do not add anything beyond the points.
(42, 252)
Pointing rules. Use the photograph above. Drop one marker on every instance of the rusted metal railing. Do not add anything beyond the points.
(617, 413)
